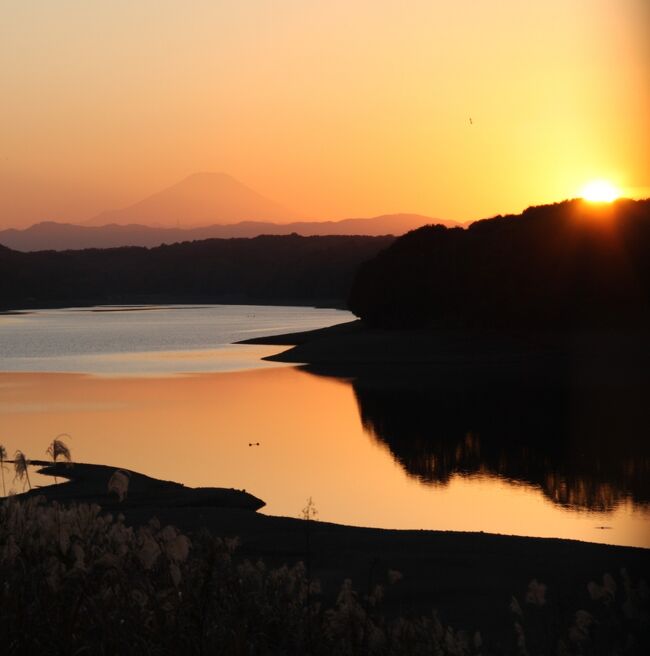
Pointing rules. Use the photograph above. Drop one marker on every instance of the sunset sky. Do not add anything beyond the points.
(333, 108)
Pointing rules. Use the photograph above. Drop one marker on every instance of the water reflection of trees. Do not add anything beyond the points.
(584, 450)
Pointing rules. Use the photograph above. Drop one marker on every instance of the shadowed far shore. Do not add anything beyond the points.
(351, 349)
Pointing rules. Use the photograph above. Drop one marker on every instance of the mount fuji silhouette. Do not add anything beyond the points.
(200, 199)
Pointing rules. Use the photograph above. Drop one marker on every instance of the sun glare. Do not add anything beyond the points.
(600, 191)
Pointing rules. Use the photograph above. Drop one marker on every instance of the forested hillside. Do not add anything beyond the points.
(552, 266)
(272, 269)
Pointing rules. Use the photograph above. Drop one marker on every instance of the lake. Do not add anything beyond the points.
(164, 391)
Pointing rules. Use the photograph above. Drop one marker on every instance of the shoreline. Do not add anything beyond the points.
(462, 574)
(582, 358)
(31, 305)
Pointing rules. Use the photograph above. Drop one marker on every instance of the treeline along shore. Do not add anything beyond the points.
(287, 269)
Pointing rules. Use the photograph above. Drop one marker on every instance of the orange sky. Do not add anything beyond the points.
(332, 108)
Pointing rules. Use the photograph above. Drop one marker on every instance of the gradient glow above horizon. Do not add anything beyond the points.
(332, 108)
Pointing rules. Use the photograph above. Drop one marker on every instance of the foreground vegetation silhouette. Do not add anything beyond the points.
(76, 580)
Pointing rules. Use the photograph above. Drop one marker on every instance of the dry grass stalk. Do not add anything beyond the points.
(3, 457)
(21, 467)
(58, 449)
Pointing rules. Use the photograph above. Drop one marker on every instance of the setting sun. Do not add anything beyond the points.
(600, 191)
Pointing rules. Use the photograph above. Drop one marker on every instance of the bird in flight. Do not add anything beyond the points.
(470, 121)
(253, 444)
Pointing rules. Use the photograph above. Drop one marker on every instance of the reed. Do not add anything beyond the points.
(21, 467)
(58, 449)
(3, 457)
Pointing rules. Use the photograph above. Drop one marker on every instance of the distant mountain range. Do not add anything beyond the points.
(202, 206)
(65, 236)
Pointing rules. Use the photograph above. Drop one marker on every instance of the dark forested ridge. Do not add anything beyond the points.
(551, 266)
(270, 269)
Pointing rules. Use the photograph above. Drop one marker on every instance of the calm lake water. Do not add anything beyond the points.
(164, 391)
(149, 340)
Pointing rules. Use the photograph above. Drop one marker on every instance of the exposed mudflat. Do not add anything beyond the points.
(90, 484)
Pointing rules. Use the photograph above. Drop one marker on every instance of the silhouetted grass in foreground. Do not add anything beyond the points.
(76, 581)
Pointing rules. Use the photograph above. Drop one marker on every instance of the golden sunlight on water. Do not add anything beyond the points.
(197, 429)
